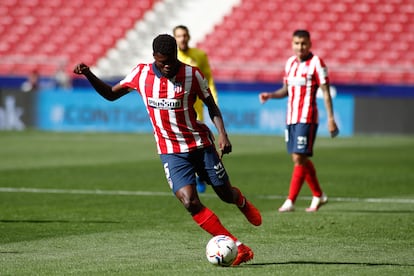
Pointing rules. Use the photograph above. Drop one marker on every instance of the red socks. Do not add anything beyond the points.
(300, 174)
(312, 180)
(298, 177)
(241, 201)
(207, 220)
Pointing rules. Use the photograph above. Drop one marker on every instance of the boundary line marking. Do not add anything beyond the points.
(82, 192)
(147, 193)
(353, 199)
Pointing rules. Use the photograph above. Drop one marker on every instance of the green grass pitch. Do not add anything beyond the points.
(98, 204)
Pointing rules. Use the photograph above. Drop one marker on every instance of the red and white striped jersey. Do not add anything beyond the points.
(303, 80)
(169, 103)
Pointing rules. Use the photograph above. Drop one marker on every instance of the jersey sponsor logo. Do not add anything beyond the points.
(295, 81)
(164, 103)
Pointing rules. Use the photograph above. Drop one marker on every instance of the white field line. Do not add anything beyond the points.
(146, 193)
(82, 192)
(354, 199)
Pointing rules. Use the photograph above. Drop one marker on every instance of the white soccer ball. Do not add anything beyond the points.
(221, 250)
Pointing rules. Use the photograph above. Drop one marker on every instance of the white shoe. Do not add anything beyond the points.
(317, 202)
(287, 206)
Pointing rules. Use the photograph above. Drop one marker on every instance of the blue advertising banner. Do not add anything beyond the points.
(85, 110)
(244, 114)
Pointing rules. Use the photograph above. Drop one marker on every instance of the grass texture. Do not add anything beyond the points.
(99, 204)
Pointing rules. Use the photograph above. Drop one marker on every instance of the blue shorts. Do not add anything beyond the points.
(300, 138)
(181, 168)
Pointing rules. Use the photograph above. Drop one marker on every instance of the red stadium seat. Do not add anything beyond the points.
(353, 38)
(342, 77)
(30, 29)
(223, 74)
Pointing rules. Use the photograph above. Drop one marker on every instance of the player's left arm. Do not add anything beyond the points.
(332, 127)
(204, 94)
(217, 119)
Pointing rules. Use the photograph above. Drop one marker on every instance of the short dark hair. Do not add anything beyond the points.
(181, 27)
(302, 33)
(164, 44)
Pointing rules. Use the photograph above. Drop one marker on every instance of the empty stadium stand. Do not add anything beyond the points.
(42, 35)
(368, 41)
(362, 41)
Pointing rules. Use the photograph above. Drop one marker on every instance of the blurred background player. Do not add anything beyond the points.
(195, 57)
(31, 84)
(304, 74)
(62, 78)
(185, 145)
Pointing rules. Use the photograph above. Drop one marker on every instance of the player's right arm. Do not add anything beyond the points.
(104, 89)
(280, 93)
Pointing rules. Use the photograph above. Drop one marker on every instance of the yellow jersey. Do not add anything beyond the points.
(198, 58)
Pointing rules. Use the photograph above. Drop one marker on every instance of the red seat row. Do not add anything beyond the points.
(359, 40)
(366, 41)
(46, 32)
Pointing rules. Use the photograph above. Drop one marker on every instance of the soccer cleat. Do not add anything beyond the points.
(244, 254)
(317, 202)
(287, 206)
(251, 213)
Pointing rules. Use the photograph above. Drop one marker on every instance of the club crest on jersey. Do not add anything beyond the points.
(178, 87)
(164, 103)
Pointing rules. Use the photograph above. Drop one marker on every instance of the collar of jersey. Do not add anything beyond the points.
(156, 71)
(309, 56)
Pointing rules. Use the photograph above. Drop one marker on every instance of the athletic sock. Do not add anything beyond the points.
(312, 179)
(207, 220)
(298, 177)
(241, 200)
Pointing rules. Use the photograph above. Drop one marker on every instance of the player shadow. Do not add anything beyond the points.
(55, 221)
(327, 263)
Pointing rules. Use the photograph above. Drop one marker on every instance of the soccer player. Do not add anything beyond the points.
(304, 74)
(186, 146)
(198, 58)
(194, 57)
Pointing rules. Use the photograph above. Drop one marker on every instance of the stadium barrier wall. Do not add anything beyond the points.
(358, 110)
(85, 110)
(17, 109)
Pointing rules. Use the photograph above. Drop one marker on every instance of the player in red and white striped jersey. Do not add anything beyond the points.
(304, 74)
(170, 106)
(169, 89)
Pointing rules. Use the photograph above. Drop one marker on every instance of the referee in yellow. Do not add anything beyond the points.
(194, 57)
(198, 58)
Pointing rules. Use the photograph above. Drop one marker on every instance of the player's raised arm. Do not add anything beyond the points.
(104, 89)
